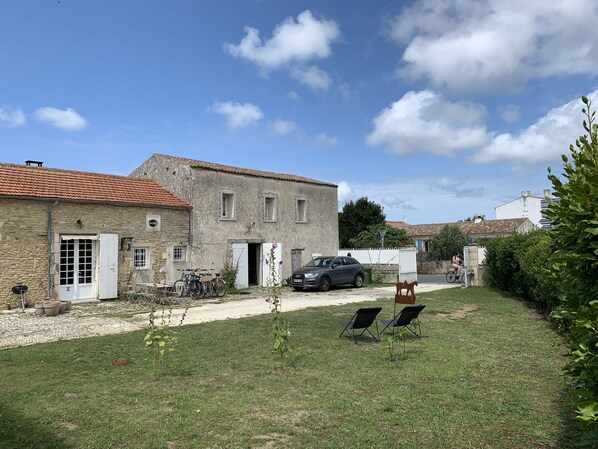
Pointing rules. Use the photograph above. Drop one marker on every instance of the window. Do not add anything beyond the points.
(140, 258)
(152, 222)
(269, 208)
(301, 211)
(179, 254)
(227, 206)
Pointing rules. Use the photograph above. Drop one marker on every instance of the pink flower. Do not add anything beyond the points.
(266, 260)
(275, 245)
(280, 263)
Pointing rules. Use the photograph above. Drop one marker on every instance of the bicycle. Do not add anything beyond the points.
(188, 284)
(213, 284)
(452, 276)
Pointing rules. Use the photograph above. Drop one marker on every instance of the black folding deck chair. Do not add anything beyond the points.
(405, 319)
(362, 319)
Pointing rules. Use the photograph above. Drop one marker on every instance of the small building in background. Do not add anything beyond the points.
(526, 206)
(475, 229)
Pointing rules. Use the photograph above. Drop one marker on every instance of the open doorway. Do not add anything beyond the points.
(253, 259)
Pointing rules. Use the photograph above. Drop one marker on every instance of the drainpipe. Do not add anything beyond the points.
(50, 207)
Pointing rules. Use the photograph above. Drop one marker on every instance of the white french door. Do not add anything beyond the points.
(76, 267)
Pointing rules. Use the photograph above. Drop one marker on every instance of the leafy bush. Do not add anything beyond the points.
(575, 228)
(448, 242)
(521, 264)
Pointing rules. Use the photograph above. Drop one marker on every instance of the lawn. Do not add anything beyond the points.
(486, 374)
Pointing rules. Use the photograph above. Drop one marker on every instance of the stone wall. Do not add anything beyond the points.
(24, 241)
(433, 267)
(213, 236)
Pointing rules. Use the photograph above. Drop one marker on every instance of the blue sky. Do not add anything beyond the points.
(437, 110)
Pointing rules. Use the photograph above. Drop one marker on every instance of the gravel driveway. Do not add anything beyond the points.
(112, 317)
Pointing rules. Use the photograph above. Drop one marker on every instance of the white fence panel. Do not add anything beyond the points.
(405, 258)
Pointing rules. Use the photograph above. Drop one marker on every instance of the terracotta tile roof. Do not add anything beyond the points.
(243, 171)
(483, 227)
(22, 181)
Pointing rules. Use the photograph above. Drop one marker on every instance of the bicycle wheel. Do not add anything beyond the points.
(179, 288)
(451, 276)
(221, 287)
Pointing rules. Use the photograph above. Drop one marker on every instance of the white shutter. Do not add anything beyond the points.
(108, 266)
(241, 261)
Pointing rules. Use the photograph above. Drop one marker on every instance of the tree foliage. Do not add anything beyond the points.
(370, 238)
(575, 230)
(357, 217)
(448, 242)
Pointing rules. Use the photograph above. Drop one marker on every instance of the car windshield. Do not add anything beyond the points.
(319, 262)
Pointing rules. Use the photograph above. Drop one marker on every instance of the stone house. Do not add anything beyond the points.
(239, 213)
(84, 236)
(475, 229)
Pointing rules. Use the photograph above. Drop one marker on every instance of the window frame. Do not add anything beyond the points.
(146, 256)
(231, 199)
(274, 198)
(183, 250)
(301, 218)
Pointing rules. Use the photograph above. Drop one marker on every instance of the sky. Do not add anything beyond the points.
(437, 110)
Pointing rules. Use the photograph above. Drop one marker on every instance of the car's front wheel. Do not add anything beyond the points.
(324, 284)
(358, 282)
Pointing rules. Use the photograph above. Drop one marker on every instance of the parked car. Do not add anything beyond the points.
(325, 272)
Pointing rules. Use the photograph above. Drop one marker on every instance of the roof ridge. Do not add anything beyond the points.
(240, 170)
(68, 170)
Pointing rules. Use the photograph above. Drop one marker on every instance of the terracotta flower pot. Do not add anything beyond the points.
(52, 308)
(39, 308)
(62, 306)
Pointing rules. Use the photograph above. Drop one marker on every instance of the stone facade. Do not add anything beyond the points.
(26, 225)
(240, 206)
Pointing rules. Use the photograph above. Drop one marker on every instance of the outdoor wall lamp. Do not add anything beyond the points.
(79, 223)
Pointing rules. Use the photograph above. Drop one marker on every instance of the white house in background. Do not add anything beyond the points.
(526, 206)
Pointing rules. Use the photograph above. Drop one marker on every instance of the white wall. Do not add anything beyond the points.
(523, 207)
(405, 258)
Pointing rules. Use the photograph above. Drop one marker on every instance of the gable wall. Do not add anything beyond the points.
(212, 237)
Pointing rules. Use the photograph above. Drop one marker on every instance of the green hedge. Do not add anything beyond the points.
(521, 264)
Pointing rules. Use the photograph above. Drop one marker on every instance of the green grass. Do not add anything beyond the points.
(488, 379)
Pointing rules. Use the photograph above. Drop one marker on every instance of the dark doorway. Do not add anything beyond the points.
(253, 259)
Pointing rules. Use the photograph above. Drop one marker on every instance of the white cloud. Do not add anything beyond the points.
(292, 42)
(281, 127)
(473, 45)
(67, 119)
(541, 143)
(12, 118)
(418, 199)
(237, 115)
(509, 113)
(323, 139)
(313, 77)
(423, 122)
(293, 95)
(345, 193)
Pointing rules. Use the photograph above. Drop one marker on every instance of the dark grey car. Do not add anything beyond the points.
(325, 272)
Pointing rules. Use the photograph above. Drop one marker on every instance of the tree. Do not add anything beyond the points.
(575, 230)
(357, 217)
(448, 242)
(370, 238)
